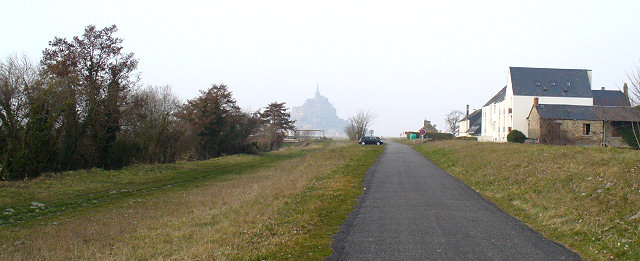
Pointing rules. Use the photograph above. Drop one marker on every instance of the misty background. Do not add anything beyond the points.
(404, 61)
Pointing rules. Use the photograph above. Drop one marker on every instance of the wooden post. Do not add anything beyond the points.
(604, 134)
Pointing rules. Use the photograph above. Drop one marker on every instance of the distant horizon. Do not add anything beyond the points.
(404, 61)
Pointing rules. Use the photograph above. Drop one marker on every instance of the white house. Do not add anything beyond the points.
(510, 107)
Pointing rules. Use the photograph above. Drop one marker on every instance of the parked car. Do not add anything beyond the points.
(370, 140)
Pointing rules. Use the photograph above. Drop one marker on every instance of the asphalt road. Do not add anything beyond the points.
(413, 210)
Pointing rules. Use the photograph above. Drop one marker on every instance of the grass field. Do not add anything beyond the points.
(585, 198)
(281, 205)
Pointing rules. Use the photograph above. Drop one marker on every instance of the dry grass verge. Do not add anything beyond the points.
(586, 198)
(287, 209)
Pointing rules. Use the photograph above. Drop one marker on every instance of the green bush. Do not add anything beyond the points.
(516, 136)
(626, 132)
(439, 136)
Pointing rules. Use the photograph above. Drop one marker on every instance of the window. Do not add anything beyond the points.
(586, 129)
(510, 110)
(509, 129)
(568, 83)
(538, 83)
(553, 83)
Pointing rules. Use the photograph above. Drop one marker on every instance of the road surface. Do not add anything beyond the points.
(412, 210)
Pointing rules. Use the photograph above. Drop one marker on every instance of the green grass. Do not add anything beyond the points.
(319, 210)
(280, 205)
(582, 197)
(66, 191)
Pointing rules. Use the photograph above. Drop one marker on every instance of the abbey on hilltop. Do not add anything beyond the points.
(318, 114)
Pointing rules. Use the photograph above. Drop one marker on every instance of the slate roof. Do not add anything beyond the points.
(610, 98)
(475, 115)
(474, 130)
(589, 113)
(475, 121)
(550, 82)
(498, 97)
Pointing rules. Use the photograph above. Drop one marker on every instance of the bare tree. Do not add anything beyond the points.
(634, 90)
(453, 121)
(359, 124)
(150, 121)
(16, 76)
(350, 130)
(635, 128)
(634, 99)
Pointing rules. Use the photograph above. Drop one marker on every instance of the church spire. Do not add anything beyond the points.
(317, 90)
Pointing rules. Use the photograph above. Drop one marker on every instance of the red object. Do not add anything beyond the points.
(423, 132)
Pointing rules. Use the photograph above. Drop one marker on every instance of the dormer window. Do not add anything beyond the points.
(553, 83)
(538, 83)
(567, 83)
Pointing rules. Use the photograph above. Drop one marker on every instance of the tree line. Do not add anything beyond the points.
(81, 106)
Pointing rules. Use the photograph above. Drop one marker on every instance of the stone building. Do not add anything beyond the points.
(427, 126)
(509, 108)
(580, 125)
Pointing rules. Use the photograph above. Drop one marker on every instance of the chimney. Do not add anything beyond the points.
(625, 89)
(602, 88)
(467, 111)
(535, 101)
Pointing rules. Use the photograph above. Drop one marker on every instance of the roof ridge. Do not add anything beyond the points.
(549, 68)
(496, 98)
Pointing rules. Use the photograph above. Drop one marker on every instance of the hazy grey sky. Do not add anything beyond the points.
(403, 60)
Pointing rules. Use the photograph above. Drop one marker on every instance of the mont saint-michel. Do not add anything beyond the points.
(318, 114)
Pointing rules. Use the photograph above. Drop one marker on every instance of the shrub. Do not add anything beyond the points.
(439, 136)
(516, 136)
(626, 132)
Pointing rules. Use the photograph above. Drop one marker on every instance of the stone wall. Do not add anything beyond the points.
(617, 142)
(534, 125)
(574, 130)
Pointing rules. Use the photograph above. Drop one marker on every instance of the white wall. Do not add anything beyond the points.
(485, 139)
(464, 127)
(485, 129)
(483, 122)
(496, 118)
(496, 121)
